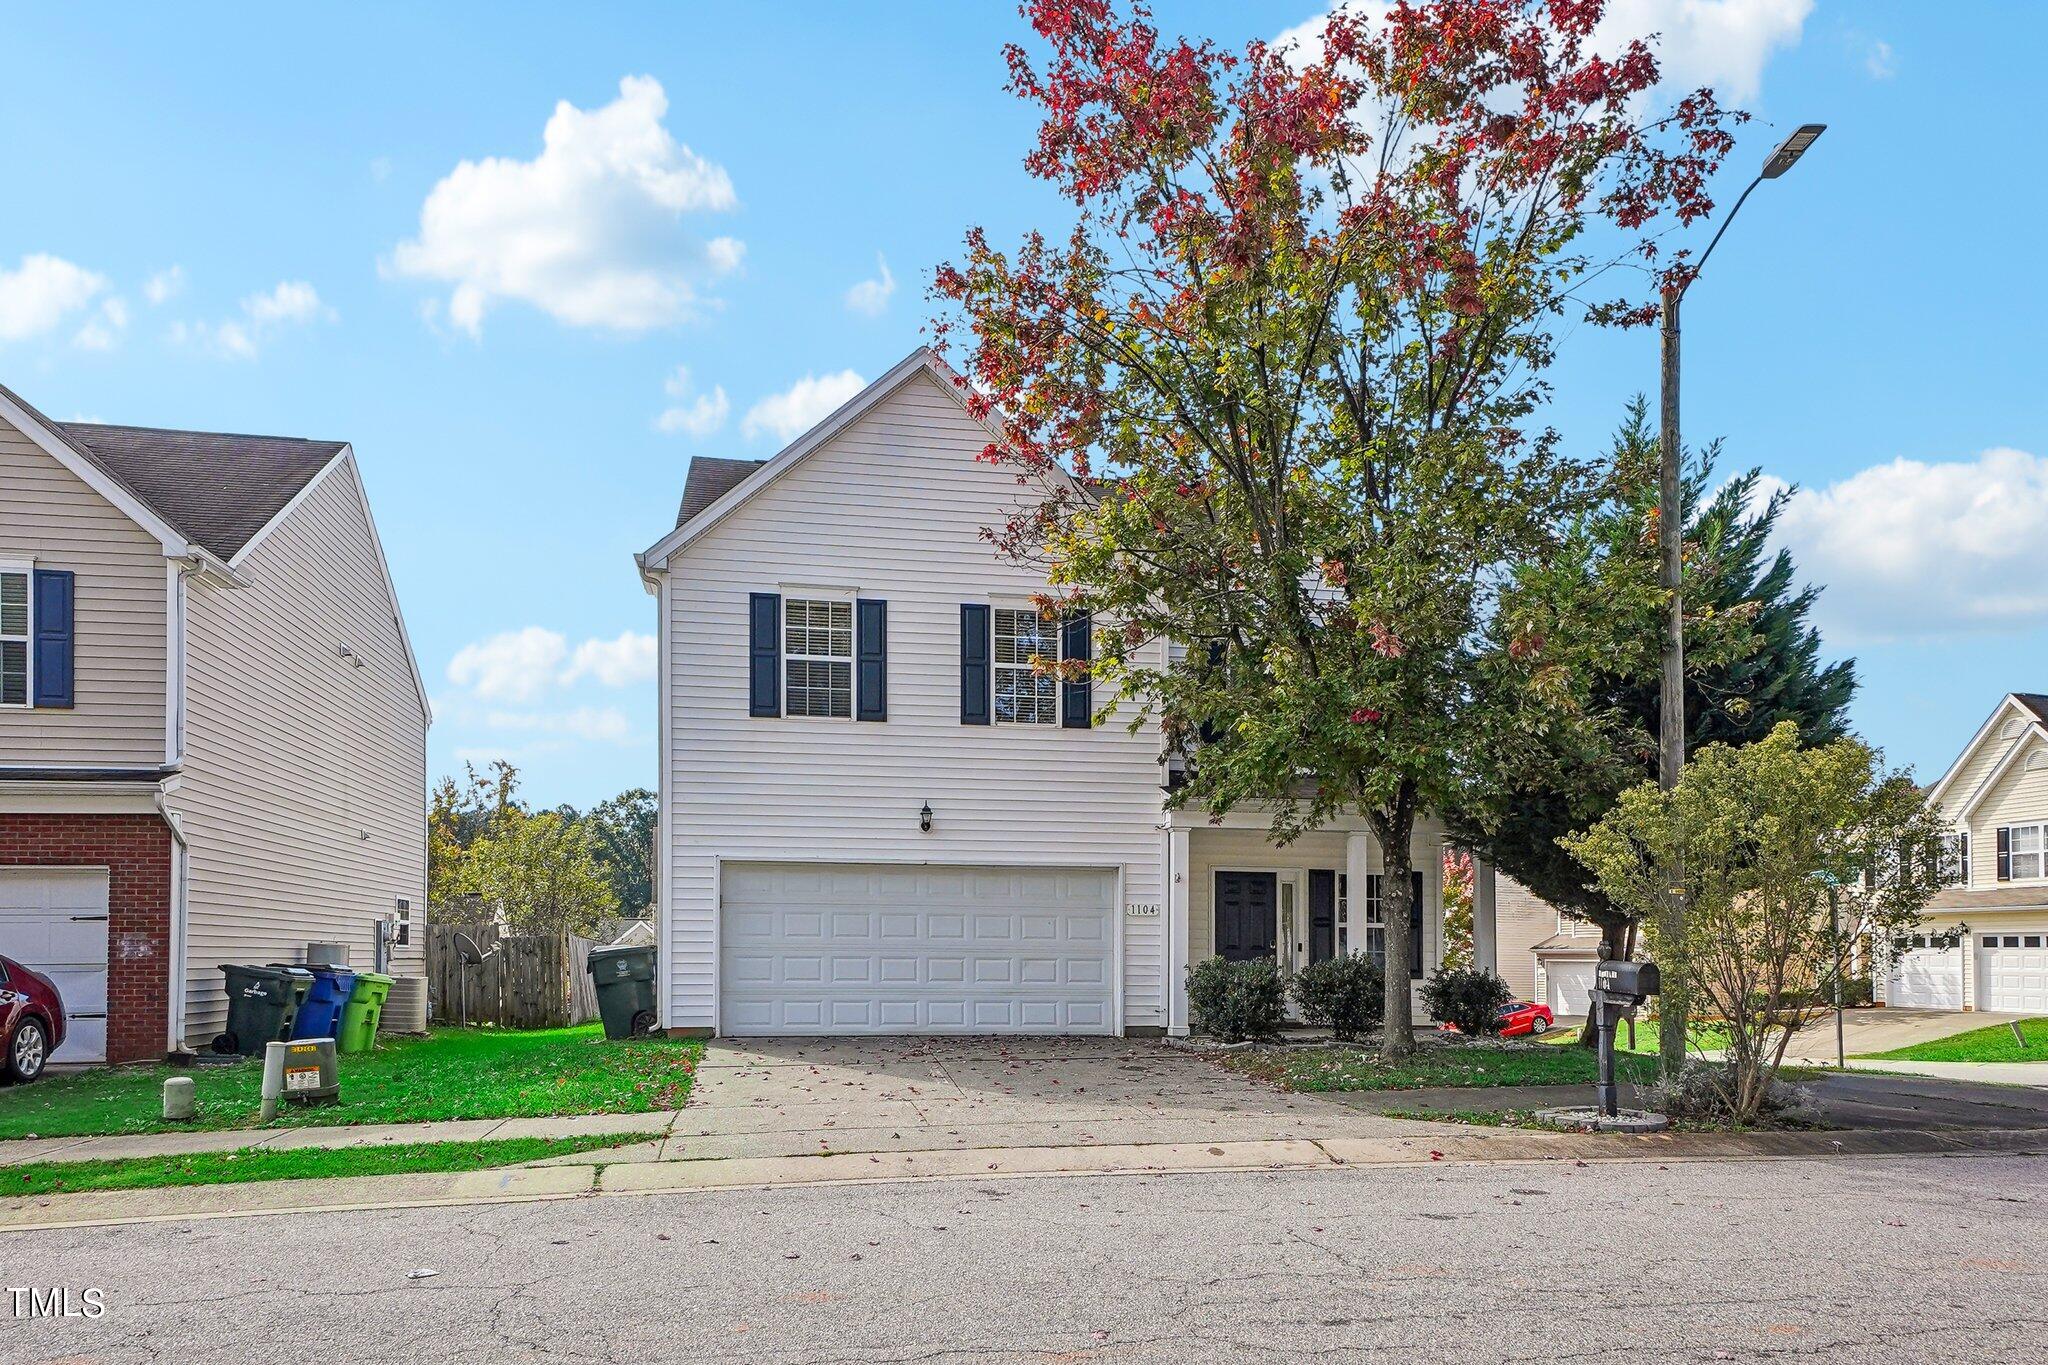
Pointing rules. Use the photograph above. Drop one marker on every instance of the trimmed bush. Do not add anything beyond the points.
(1858, 991)
(1346, 995)
(1467, 997)
(1234, 1001)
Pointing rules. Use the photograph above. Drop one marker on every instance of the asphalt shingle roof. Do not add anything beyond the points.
(217, 488)
(710, 478)
(2034, 701)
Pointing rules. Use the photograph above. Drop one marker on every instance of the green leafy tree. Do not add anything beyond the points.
(1275, 392)
(623, 829)
(1771, 843)
(539, 871)
(459, 814)
(1753, 662)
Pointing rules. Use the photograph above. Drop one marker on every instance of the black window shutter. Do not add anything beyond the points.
(2004, 853)
(1322, 914)
(1415, 925)
(1218, 652)
(871, 633)
(54, 591)
(764, 654)
(1077, 699)
(976, 677)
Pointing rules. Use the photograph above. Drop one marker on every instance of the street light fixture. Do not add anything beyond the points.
(1671, 549)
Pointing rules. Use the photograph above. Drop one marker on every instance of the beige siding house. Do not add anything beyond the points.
(1985, 945)
(1545, 955)
(876, 818)
(212, 728)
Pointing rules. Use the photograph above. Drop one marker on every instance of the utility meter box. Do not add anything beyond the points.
(305, 1071)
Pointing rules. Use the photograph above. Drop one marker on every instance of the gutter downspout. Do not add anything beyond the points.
(175, 1036)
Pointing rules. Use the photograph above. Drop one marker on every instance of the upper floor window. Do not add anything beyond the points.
(1955, 858)
(817, 646)
(1025, 696)
(2027, 846)
(14, 636)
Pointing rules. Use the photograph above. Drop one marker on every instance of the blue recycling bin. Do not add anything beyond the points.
(320, 1012)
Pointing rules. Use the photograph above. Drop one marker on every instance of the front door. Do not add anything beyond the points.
(1245, 915)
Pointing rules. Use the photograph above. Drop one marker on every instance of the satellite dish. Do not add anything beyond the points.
(466, 949)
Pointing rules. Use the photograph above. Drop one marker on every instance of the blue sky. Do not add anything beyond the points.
(252, 219)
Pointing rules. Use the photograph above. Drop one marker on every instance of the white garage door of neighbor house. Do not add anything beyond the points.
(861, 948)
(2012, 973)
(54, 919)
(1571, 987)
(1926, 979)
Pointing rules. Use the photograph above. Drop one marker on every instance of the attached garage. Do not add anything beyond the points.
(2012, 973)
(1926, 978)
(852, 948)
(1570, 987)
(54, 919)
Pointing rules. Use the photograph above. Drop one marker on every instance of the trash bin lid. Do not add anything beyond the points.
(273, 972)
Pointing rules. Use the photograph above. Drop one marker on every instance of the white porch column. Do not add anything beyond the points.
(1357, 866)
(1177, 929)
(1485, 946)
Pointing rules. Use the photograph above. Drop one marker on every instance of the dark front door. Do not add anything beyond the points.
(1244, 915)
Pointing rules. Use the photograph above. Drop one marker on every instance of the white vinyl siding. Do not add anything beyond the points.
(817, 658)
(893, 507)
(1025, 696)
(49, 516)
(14, 636)
(304, 786)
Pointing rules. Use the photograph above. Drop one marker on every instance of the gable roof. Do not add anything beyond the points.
(697, 521)
(711, 477)
(2037, 702)
(218, 488)
(2032, 708)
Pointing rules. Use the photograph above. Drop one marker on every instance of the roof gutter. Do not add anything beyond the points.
(209, 568)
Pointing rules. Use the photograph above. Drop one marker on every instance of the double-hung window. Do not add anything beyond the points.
(2026, 845)
(817, 648)
(1955, 858)
(1374, 942)
(14, 635)
(1025, 696)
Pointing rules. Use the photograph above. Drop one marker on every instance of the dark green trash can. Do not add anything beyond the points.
(625, 990)
(262, 1004)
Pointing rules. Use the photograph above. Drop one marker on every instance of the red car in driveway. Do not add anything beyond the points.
(31, 1021)
(1524, 1016)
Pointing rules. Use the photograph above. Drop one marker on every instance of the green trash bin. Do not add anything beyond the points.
(360, 1015)
(625, 990)
(262, 1003)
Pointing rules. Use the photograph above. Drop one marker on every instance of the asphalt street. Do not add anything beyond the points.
(1849, 1259)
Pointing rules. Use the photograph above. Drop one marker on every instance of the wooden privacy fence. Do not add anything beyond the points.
(524, 981)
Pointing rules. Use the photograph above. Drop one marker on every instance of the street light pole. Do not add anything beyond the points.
(1671, 1006)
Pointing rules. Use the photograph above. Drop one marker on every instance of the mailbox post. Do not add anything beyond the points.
(1617, 986)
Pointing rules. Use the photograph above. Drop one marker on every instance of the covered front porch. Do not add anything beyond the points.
(1233, 892)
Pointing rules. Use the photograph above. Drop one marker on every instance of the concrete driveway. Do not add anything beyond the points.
(1882, 1030)
(789, 1097)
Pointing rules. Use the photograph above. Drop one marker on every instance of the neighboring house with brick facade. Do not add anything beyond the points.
(212, 726)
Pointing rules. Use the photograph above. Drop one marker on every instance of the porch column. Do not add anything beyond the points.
(1485, 947)
(1357, 866)
(1177, 930)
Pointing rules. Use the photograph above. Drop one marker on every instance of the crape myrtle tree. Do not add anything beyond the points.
(1275, 391)
(1752, 662)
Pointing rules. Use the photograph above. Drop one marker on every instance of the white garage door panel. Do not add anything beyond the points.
(862, 949)
(1571, 987)
(54, 919)
(2013, 977)
(1927, 979)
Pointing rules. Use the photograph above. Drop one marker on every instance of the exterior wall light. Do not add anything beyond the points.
(924, 818)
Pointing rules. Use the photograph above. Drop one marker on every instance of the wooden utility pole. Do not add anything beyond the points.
(1671, 1005)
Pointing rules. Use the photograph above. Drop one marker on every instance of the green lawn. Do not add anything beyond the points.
(1699, 1038)
(1473, 1064)
(1993, 1044)
(451, 1074)
(254, 1163)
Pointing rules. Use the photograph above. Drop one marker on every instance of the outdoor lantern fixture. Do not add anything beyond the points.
(1791, 149)
(924, 818)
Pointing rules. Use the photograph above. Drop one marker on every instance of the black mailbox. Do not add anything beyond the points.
(1636, 979)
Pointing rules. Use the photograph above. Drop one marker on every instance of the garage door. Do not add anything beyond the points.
(1571, 987)
(54, 919)
(853, 948)
(1927, 979)
(2012, 973)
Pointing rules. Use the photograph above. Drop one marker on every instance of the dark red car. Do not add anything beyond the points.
(1523, 1016)
(31, 1021)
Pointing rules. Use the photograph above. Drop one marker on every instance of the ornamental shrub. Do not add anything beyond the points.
(1347, 995)
(1234, 1001)
(1467, 997)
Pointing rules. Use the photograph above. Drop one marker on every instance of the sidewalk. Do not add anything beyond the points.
(1986, 1073)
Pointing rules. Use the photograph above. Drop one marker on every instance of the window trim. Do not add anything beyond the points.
(27, 569)
(2039, 853)
(1050, 630)
(831, 597)
(1960, 840)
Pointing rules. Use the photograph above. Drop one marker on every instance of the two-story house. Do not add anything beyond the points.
(1986, 945)
(876, 817)
(212, 728)
(1545, 955)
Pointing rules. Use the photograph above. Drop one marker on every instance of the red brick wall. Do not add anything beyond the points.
(136, 850)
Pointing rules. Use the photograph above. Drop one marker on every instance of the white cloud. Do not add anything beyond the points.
(1911, 550)
(615, 663)
(165, 285)
(803, 405)
(38, 295)
(607, 724)
(103, 329)
(517, 666)
(1879, 61)
(591, 231)
(872, 296)
(1722, 43)
(697, 416)
(289, 303)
